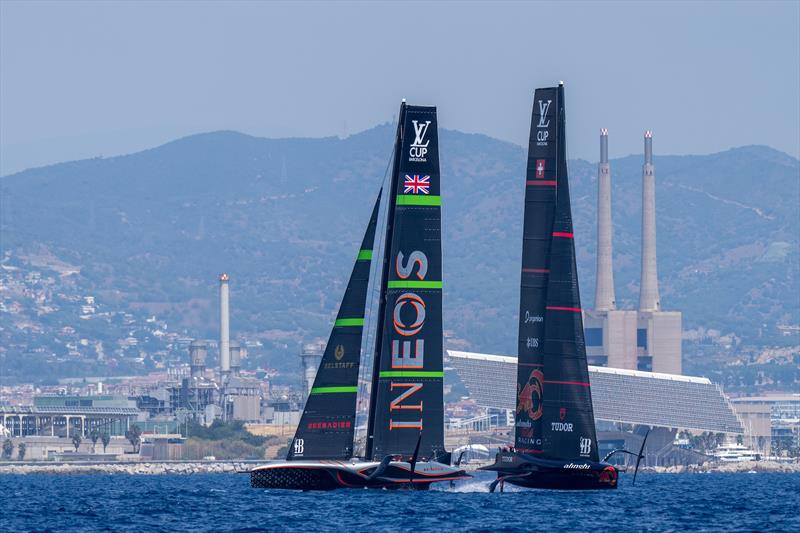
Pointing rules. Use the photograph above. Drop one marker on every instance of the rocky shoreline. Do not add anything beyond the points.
(743, 467)
(232, 467)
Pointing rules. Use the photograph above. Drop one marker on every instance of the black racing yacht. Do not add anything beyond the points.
(555, 446)
(405, 433)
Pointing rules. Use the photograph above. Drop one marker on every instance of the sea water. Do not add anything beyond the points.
(226, 502)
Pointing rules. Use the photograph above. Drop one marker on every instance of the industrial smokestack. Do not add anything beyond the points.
(604, 299)
(310, 357)
(236, 358)
(224, 326)
(197, 358)
(648, 293)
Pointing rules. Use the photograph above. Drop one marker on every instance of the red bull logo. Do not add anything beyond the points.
(529, 397)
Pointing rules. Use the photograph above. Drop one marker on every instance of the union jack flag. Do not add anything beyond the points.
(417, 184)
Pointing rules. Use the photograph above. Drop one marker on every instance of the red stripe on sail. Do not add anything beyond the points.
(541, 183)
(554, 308)
(536, 270)
(530, 364)
(562, 234)
(581, 383)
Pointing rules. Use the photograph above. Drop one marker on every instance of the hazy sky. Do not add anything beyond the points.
(83, 79)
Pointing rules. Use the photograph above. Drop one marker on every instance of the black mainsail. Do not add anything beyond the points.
(406, 401)
(328, 422)
(568, 416)
(554, 416)
(540, 199)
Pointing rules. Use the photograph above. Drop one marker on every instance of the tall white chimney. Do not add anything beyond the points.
(648, 293)
(224, 326)
(604, 299)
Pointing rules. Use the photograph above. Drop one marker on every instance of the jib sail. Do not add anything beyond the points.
(407, 391)
(328, 422)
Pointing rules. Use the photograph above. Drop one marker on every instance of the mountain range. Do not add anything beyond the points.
(149, 233)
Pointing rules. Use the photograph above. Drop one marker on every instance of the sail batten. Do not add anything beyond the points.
(327, 425)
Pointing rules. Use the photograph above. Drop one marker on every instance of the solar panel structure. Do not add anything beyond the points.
(626, 396)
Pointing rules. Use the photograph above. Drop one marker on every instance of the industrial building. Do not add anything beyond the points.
(310, 358)
(649, 338)
(206, 395)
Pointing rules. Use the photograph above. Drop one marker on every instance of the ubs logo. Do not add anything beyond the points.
(419, 148)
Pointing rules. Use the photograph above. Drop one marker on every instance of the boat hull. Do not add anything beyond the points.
(529, 471)
(331, 475)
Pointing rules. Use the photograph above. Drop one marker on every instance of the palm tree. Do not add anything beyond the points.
(94, 435)
(76, 440)
(133, 435)
(8, 449)
(105, 438)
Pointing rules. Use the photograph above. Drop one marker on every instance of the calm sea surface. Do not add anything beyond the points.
(210, 502)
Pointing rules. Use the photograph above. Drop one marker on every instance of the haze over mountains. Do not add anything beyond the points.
(150, 232)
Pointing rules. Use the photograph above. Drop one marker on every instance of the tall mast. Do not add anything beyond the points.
(387, 251)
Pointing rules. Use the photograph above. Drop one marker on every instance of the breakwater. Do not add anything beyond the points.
(134, 468)
(738, 467)
(232, 467)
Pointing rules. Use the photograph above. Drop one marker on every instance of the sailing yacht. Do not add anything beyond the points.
(555, 445)
(405, 431)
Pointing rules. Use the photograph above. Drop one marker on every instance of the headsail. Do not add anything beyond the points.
(554, 415)
(328, 422)
(407, 382)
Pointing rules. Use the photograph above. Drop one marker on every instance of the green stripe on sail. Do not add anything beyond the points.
(364, 255)
(328, 390)
(413, 199)
(349, 322)
(415, 284)
(411, 374)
